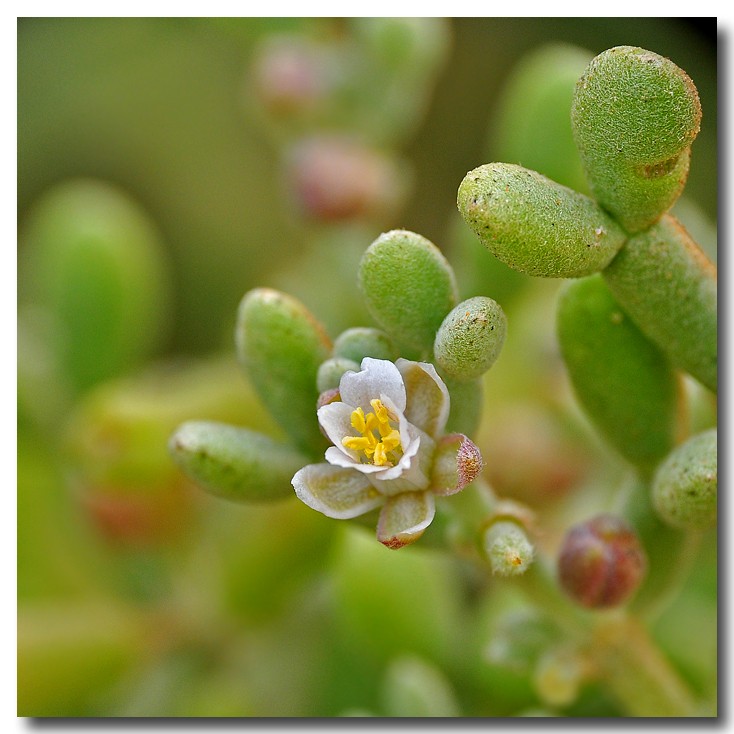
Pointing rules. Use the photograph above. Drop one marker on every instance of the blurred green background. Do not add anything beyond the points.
(137, 594)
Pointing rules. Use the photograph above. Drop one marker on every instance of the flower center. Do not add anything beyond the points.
(379, 440)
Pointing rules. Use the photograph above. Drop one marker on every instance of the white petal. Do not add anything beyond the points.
(336, 420)
(404, 518)
(427, 396)
(377, 377)
(334, 491)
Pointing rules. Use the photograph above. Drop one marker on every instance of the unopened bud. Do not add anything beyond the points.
(602, 562)
(507, 547)
(337, 179)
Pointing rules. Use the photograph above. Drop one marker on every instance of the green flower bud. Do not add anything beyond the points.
(507, 547)
(331, 371)
(281, 346)
(408, 286)
(635, 115)
(415, 688)
(363, 341)
(601, 563)
(470, 338)
(535, 225)
(533, 123)
(684, 490)
(95, 261)
(668, 287)
(623, 381)
(235, 463)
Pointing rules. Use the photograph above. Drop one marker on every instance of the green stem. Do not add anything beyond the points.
(635, 670)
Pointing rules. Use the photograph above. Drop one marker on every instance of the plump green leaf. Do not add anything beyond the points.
(668, 287)
(623, 381)
(408, 286)
(95, 260)
(364, 341)
(470, 338)
(235, 463)
(684, 490)
(635, 115)
(281, 346)
(535, 225)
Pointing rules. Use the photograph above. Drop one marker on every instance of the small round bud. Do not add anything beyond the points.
(336, 179)
(289, 76)
(507, 547)
(601, 563)
(684, 490)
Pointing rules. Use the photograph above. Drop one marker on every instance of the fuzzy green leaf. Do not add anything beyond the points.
(684, 490)
(235, 463)
(668, 287)
(331, 371)
(467, 399)
(281, 346)
(635, 115)
(624, 382)
(470, 338)
(535, 225)
(408, 286)
(363, 341)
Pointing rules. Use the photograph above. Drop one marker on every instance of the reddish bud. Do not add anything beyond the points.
(601, 563)
(290, 76)
(335, 178)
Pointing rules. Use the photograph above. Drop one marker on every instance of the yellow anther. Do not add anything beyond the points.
(358, 420)
(380, 458)
(375, 449)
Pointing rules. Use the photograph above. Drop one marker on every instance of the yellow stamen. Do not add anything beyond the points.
(375, 451)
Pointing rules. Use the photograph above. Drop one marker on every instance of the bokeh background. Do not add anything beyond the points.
(138, 595)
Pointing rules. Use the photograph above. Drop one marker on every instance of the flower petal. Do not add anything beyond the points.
(335, 491)
(427, 396)
(377, 377)
(457, 462)
(404, 518)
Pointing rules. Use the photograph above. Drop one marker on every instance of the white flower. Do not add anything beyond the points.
(388, 450)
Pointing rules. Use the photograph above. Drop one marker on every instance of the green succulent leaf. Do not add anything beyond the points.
(535, 225)
(635, 115)
(281, 346)
(363, 341)
(684, 489)
(408, 286)
(95, 260)
(623, 381)
(235, 463)
(470, 338)
(668, 287)
(331, 371)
